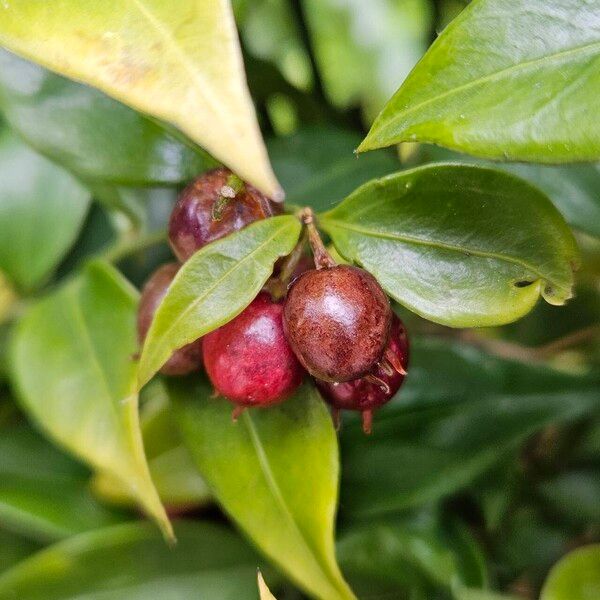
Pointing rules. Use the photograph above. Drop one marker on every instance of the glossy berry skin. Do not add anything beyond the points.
(248, 360)
(196, 221)
(186, 359)
(337, 321)
(368, 393)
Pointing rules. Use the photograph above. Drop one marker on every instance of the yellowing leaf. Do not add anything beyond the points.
(178, 62)
(265, 592)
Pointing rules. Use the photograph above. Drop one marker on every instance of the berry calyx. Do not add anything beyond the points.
(249, 360)
(378, 387)
(186, 359)
(337, 321)
(214, 205)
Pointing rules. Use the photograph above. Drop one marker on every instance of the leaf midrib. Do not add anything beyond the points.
(442, 246)
(487, 78)
(202, 85)
(276, 492)
(211, 288)
(81, 325)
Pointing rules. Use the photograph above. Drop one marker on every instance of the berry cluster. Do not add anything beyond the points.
(333, 321)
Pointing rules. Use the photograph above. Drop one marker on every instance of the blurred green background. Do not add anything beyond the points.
(485, 470)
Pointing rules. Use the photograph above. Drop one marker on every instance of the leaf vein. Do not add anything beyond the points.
(490, 77)
(443, 246)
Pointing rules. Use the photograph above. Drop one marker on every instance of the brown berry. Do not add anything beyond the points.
(337, 321)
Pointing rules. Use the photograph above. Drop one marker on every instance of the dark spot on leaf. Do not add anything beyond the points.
(522, 284)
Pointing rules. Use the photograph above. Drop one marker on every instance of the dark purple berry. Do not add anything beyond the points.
(337, 321)
(209, 209)
(186, 359)
(378, 387)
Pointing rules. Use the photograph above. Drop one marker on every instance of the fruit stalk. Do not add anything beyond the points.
(323, 259)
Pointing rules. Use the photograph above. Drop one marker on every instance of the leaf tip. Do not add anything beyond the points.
(265, 592)
(167, 530)
(278, 195)
(364, 146)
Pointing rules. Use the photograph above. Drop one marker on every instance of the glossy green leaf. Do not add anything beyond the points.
(92, 135)
(275, 472)
(132, 562)
(528, 94)
(181, 66)
(575, 577)
(43, 492)
(317, 166)
(427, 450)
(42, 209)
(460, 245)
(265, 592)
(364, 50)
(13, 549)
(572, 188)
(72, 366)
(214, 286)
(445, 371)
(173, 472)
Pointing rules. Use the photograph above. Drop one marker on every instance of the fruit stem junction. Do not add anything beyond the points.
(323, 259)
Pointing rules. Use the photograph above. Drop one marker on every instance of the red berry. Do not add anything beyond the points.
(379, 386)
(337, 321)
(249, 360)
(186, 359)
(203, 213)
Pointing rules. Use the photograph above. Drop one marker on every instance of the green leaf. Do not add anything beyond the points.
(181, 66)
(575, 577)
(72, 366)
(572, 188)
(173, 472)
(92, 135)
(275, 472)
(8, 298)
(443, 372)
(475, 594)
(131, 561)
(364, 50)
(214, 286)
(317, 165)
(457, 388)
(528, 94)
(411, 552)
(42, 209)
(13, 549)
(574, 495)
(43, 492)
(460, 245)
(529, 543)
(271, 33)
